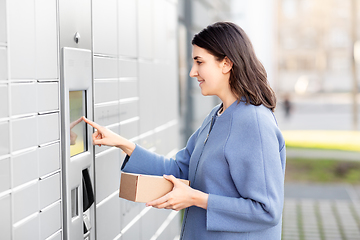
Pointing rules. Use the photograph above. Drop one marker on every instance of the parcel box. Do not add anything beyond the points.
(144, 188)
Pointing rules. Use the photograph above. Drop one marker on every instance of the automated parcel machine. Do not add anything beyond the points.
(75, 45)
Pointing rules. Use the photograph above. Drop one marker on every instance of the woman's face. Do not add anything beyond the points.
(209, 73)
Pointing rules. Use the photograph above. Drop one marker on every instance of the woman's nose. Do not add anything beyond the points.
(193, 72)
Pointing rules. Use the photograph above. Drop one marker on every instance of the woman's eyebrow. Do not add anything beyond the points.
(196, 57)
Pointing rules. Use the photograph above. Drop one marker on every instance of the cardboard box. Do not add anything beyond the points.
(144, 188)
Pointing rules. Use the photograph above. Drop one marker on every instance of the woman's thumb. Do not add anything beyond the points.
(98, 141)
(171, 178)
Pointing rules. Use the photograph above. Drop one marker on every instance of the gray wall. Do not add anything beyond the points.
(135, 94)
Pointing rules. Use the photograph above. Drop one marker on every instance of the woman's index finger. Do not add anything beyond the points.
(91, 123)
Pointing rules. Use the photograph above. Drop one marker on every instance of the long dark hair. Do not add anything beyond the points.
(248, 77)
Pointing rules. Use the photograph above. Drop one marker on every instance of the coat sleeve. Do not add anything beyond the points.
(255, 153)
(143, 161)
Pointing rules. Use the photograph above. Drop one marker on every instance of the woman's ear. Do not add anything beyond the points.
(227, 65)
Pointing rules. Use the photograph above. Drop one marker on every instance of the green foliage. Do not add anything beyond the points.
(324, 171)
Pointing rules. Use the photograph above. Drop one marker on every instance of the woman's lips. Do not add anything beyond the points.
(200, 82)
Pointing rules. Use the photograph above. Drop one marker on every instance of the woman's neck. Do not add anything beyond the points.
(228, 100)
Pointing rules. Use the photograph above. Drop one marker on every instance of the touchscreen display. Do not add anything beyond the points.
(77, 126)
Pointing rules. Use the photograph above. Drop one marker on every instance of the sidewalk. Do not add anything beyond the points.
(321, 212)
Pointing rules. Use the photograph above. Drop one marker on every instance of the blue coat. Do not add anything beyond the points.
(241, 166)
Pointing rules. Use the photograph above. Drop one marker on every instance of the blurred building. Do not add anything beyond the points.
(315, 46)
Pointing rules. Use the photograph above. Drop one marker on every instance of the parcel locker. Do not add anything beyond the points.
(77, 149)
(22, 57)
(5, 216)
(4, 142)
(3, 63)
(5, 181)
(23, 98)
(25, 167)
(50, 220)
(59, 61)
(48, 96)
(28, 229)
(4, 106)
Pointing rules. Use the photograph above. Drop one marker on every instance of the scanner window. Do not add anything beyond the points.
(77, 127)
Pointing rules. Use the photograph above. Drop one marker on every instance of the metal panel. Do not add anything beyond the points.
(5, 182)
(105, 38)
(22, 57)
(172, 230)
(105, 68)
(75, 17)
(145, 28)
(129, 211)
(20, 128)
(48, 96)
(4, 106)
(106, 91)
(162, 140)
(108, 212)
(4, 140)
(25, 167)
(128, 89)
(129, 130)
(160, 33)
(26, 202)
(134, 232)
(106, 115)
(129, 110)
(49, 189)
(50, 221)
(49, 129)
(76, 75)
(127, 68)
(49, 159)
(148, 142)
(147, 100)
(28, 229)
(23, 98)
(127, 28)
(5, 217)
(107, 174)
(57, 236)
(152, 220)
(3, 21)
(46, 39)
(3, 64)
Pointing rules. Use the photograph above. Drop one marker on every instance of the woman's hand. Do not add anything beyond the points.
(182, 196)
(104, 136)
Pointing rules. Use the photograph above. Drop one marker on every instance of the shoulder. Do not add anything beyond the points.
(250, 118)
(252, 124)
(248, 112)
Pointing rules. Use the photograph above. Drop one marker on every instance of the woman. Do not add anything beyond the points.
(236, 160)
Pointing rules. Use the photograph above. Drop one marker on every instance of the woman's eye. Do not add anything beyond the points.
(198, 62)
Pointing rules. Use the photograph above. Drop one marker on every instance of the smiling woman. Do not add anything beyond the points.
(235, 160)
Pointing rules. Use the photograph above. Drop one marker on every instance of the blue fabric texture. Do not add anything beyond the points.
(241, 166)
